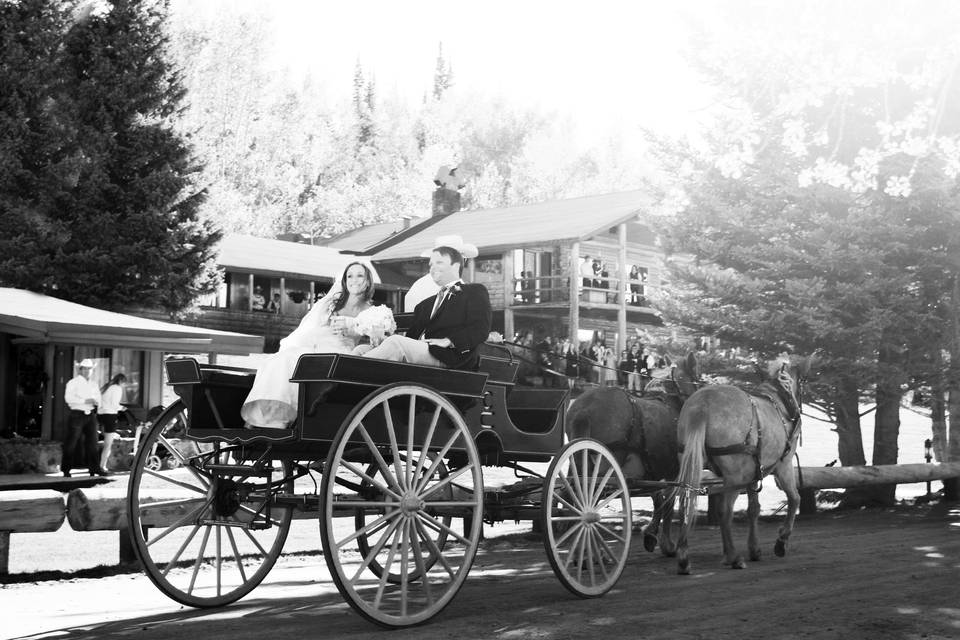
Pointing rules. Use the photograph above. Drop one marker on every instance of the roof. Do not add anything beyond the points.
(570, 220)
(363, 237)
(283, 259)
(41, 318)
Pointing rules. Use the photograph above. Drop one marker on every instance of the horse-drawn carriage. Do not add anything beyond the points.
(389, 457)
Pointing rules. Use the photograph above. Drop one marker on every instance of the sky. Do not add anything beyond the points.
(604, 61)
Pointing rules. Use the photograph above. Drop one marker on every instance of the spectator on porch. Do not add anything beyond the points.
(586, 271)
(274, 306)
(258, 302)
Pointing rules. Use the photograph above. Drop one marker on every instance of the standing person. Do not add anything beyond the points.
(572, 357)
(274, 306)
(609, 368)
(586, 271)
(259, 302)
(633, 369)
(623, 376)
(82, 396)
(110, 407)
(635, 286)
(449, 327)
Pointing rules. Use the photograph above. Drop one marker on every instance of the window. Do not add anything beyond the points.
(109, 363)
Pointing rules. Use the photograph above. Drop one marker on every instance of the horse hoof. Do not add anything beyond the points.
(668, 553)
(649, 542)
(738, 564)
(683, 568)
(755, 556)
(780, 548)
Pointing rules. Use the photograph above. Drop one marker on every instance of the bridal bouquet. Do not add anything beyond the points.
(376, 323)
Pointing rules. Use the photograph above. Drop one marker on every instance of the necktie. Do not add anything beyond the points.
(441, 296)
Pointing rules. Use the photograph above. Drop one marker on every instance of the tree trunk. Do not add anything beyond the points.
(886, 428)
(938, 412)
(850, 439)
(846, 405)
(951, 487)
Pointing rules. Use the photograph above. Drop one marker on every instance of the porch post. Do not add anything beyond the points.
(49, 366)
(506, 260)
(623, 273)
(250, 294)
(575, 294)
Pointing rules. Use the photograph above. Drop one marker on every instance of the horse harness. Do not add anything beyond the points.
(640, 449)
(791, 424)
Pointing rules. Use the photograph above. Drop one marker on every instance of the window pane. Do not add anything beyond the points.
(129, 362)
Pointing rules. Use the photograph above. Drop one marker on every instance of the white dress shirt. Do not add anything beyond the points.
(79, 391)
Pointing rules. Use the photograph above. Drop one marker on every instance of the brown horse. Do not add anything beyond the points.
(641, 432)
(741, 437)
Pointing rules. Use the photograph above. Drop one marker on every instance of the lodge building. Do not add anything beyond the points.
(531, 260)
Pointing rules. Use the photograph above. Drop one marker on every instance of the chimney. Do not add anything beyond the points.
(446, 197)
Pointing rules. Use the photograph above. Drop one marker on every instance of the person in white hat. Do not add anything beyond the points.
(82, 395)
(448, 327)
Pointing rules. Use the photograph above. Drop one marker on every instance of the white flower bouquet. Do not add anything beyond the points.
(376, 323)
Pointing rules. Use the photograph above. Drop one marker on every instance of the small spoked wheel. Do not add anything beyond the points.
(586, 517)
(405, 467)
(205, 537)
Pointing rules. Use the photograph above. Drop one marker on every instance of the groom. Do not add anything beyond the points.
(447, 328)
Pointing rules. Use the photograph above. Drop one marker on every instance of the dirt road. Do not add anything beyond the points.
(851, 575)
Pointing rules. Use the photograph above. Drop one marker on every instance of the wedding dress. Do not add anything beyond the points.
(272, 401)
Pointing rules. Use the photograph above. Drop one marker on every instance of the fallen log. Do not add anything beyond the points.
(847, 477)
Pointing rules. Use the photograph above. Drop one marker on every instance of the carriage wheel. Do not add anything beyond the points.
(205, 538)
(365, 517)
(428, 472)
(586, 516)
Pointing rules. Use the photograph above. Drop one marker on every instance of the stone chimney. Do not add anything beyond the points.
(446, 197)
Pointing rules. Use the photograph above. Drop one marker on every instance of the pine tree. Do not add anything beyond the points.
(442, 75)
(821, 219)
(39, 158)
(126, 228)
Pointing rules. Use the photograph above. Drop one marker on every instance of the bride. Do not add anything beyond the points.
(329, 327)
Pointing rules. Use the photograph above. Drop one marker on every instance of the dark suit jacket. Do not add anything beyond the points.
(464, 318)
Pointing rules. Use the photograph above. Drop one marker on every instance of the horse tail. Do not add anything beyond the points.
(692, 434)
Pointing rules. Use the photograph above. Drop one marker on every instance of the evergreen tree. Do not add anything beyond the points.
(126, 229)
(40, 160)
(820, 215)
(442, 75)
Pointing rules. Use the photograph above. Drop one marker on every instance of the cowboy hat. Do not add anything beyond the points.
(88, 363)
(454, 242)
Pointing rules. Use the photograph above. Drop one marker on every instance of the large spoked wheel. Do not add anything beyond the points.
(586, 516)
(364, 517)
(206, 538)
(427, 473)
